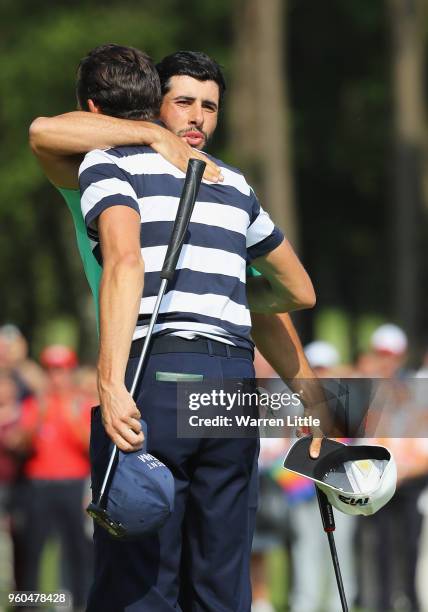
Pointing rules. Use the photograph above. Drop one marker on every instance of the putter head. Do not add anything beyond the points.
(102, 519)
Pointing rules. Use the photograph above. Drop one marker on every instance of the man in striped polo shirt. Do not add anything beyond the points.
(59, 142)
(55, 140)
(129, 198)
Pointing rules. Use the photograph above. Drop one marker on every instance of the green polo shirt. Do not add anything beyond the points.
(91, 266)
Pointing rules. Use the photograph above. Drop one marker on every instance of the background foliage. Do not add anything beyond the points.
(337, 69)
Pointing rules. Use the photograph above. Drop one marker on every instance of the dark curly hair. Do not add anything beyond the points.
(122, 81)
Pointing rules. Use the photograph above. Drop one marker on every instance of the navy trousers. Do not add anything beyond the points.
(199, 560)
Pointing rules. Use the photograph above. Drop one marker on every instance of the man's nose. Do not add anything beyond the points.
(196, 115)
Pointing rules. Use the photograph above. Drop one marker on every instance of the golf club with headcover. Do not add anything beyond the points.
(354, 479)
(195, 170)
(329, 526)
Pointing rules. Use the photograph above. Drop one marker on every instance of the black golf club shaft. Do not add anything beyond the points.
(329, 526)
(336, 566)
(195, 170)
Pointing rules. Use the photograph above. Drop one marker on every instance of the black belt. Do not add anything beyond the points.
(175, 344)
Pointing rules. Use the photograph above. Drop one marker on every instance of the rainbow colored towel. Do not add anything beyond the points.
(296, 488)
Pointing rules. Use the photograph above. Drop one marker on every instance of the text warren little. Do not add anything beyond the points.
(247, 421)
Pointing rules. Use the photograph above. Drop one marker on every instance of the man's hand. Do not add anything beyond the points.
(121, 417)
(317, 438)
(178, 153)
(315, 409)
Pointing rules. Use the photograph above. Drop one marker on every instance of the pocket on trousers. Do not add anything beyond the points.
(178, 377)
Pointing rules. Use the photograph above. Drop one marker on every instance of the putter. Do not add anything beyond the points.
(329, 526)
(195, 170)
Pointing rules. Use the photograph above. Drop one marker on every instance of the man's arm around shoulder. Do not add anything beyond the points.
(60, 142)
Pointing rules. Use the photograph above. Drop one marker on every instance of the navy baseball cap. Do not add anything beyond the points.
(140, 496)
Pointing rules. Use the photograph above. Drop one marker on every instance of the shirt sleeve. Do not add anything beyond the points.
(103, 184)
(262, 235)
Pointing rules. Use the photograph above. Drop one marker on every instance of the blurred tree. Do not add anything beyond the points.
(40, 46)
(259, 107)
(408, 34)
(317, 78)
(340, 98)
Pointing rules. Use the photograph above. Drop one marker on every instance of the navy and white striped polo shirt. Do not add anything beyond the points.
(228, 229)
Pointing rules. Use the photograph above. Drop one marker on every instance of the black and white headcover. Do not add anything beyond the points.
(358, 479)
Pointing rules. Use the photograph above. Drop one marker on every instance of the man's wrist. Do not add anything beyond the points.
(108, 382)
(152, 133)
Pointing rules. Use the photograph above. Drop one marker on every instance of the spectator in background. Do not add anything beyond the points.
(56, 430)
(366, 364)
(394, 532)
(10, 458)
(86, 382)
(271, 519)
(288, 509)
(423, 370)
(28, 375)
(389, 350)
(397, 527)
(323, 357)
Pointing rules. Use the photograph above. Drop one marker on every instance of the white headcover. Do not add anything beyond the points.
(372, 485)
(357, 479)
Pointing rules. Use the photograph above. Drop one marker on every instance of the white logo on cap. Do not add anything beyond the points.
(150, 461)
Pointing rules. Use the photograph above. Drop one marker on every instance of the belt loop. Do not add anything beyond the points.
(228, 355)
(210, 348)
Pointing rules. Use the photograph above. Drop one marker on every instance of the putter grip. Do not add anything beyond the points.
(195, 170)
(326, 511)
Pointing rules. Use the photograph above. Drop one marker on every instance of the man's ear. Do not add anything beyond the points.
(93, 108)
